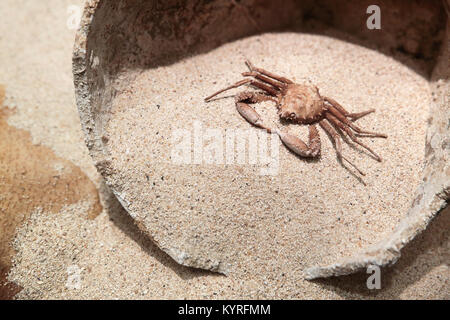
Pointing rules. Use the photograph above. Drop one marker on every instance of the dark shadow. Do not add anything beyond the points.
(402, 35)
(149, 34)
(8, 290)
(120, 217)
(419, 257)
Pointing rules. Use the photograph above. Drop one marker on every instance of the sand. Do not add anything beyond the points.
(232, 218)
(116, 261)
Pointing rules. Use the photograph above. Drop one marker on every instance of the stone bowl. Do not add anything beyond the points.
(119, 41)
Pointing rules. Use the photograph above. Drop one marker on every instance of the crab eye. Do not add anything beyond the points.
(292, 115)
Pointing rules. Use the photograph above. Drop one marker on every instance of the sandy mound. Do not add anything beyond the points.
(221, 211)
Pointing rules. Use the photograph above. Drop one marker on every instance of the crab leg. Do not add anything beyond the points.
(344, 120)
(267, 73)
(264, 79)
(337, 141)
(253, 97)
(254, 83)
(358, 115)
(264, 87)
(343, 127)
(352, 116)
(236, 85)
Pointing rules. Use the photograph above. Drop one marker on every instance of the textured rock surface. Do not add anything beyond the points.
(103, 75)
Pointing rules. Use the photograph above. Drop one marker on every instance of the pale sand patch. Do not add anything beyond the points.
(115, 261)
(235, 220)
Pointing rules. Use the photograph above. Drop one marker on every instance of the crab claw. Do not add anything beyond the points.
(251, 115)
(296, 145)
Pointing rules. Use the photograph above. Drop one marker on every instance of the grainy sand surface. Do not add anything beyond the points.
(116, 261)
(307, 212)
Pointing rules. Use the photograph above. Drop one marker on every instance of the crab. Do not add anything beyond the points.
(301, 104)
